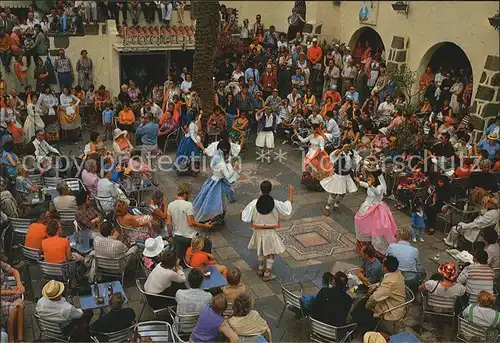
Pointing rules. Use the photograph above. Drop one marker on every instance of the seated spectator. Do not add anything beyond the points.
(54, 307)
(107, 192)
(37, 232)
(490, 238)
(471, 231)
(477, 277)
(483, 313)
(9, 160)
(118, 318)
(370, 271)
(106, 245)
(197, 258)
(192, 300)
(65, 201)
(217, 121)
(87, 216)
(490, 144)
(23, 183)
(90, 177)
(406, 254)
(332, 304)
(8, 203)
(388, 294)
(151, 255)
(407, 186)
(159, 207)
(234, 285)
(165, 279)
(444, 283)
(12, 303)
(246, 321)
(211, 323)
(482, 182)
(139, 226)
(465, 170)
(56, 249)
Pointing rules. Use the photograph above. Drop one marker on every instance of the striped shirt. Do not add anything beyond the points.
(476, 278)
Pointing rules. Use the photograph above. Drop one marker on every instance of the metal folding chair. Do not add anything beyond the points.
(157, 330)
(51, 181)
(182, 325)
(116, 336)
(172, 137)
(36, 179)
(322, 332)
(438, 306)
(410, 298)
(114, 267)
(75, 185)
(291, 300)
(19, 230)
(50, 330)
(469, 332)
(140, 285)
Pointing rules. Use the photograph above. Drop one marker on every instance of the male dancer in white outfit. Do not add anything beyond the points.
(264, 215)
(340, 182)
(266, 126)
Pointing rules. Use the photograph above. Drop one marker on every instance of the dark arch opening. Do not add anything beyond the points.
(361, 37)
(450, 57)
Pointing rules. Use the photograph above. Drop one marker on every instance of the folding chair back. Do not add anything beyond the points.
(469, 332)
(67, 216)
(51, 182)
(57, 271)
(145, 295)
(75, 185)
(36, 179)
(183, 323)
(111, 266)
(117, 336)
(49, 329)
(31, 255)
(322, 332)
(157, 330)
(19, 229)
(290, 298)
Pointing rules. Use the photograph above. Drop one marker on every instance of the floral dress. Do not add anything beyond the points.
(85, 69)
(9, 302)
(236, 135)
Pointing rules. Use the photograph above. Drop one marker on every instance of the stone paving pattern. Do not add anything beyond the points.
(315, 244)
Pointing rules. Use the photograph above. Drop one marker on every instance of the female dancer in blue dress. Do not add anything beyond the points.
(211, 202)
(187, 158)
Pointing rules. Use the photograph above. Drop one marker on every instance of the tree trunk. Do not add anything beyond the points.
(207, 24)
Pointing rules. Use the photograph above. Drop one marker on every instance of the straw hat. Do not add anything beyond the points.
(153, 247)
(373, 337)
(493, 136)
(53, 289)
(117, 133)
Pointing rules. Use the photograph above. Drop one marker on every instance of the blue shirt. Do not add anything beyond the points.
(490, 148)
(252, 73)
(11, 170)
(352, 96)
(490, 129)
(207, 328)
(417, 221)
(148, 133)
(406, 254)
(299, 79)
(108, 116)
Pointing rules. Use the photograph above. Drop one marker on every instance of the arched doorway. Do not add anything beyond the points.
(363, 36)
(447, 55)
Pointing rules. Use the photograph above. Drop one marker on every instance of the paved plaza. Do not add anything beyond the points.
(314, 244)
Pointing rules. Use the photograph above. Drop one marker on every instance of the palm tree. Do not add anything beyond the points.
(207, 25)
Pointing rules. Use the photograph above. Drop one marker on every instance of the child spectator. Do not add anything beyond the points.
(197, 258)
(107, 121)
(234, 287)
(417, 222)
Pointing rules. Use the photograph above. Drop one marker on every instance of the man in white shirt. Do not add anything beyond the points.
(152, 108)
(106, 192)
(293, 97)
(332, 132)
(181, 224)
(386, 108)
(54, 307)
(43, 149)
(192, 300)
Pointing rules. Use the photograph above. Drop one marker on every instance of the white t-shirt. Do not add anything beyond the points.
(483, 316)
(160, 279)
(386, 109)
(186, 85)
(179, 210)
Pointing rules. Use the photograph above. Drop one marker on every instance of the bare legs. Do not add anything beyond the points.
(16, 316)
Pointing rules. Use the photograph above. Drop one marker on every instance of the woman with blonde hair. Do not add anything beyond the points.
(197, 258)
(483, 313)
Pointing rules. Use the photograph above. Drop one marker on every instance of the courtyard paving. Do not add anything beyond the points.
(314, 244)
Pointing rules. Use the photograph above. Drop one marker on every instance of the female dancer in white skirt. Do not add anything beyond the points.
(340, 182)
(264, 215)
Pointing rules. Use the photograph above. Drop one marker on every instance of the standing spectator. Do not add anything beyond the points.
(245, 32)
(77, 22)
(331, 74)
(149, 9)
(180, 221)
(6, 23)
(252, 71)
(348, 75)
(85, 70)
(244, 102)
(90, 10)
(148, 131)
(21, 71)
(64, 70)
(40, 45)
(270, 38)
(5, 53)
(477, 277)
(314, 55)
(107, 121)
(134, 7)
(258, 23)
(15, 37)
(31, 21)
(120, 6)
(269, 82)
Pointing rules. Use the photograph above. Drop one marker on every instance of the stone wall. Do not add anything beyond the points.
(486, 104)
(397, 52)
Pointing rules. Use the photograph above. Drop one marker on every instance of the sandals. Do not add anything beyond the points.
(268, 277)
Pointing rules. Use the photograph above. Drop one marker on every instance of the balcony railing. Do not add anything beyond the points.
(155, 40)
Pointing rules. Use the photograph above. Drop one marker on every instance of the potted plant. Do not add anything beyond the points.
(495, 20)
